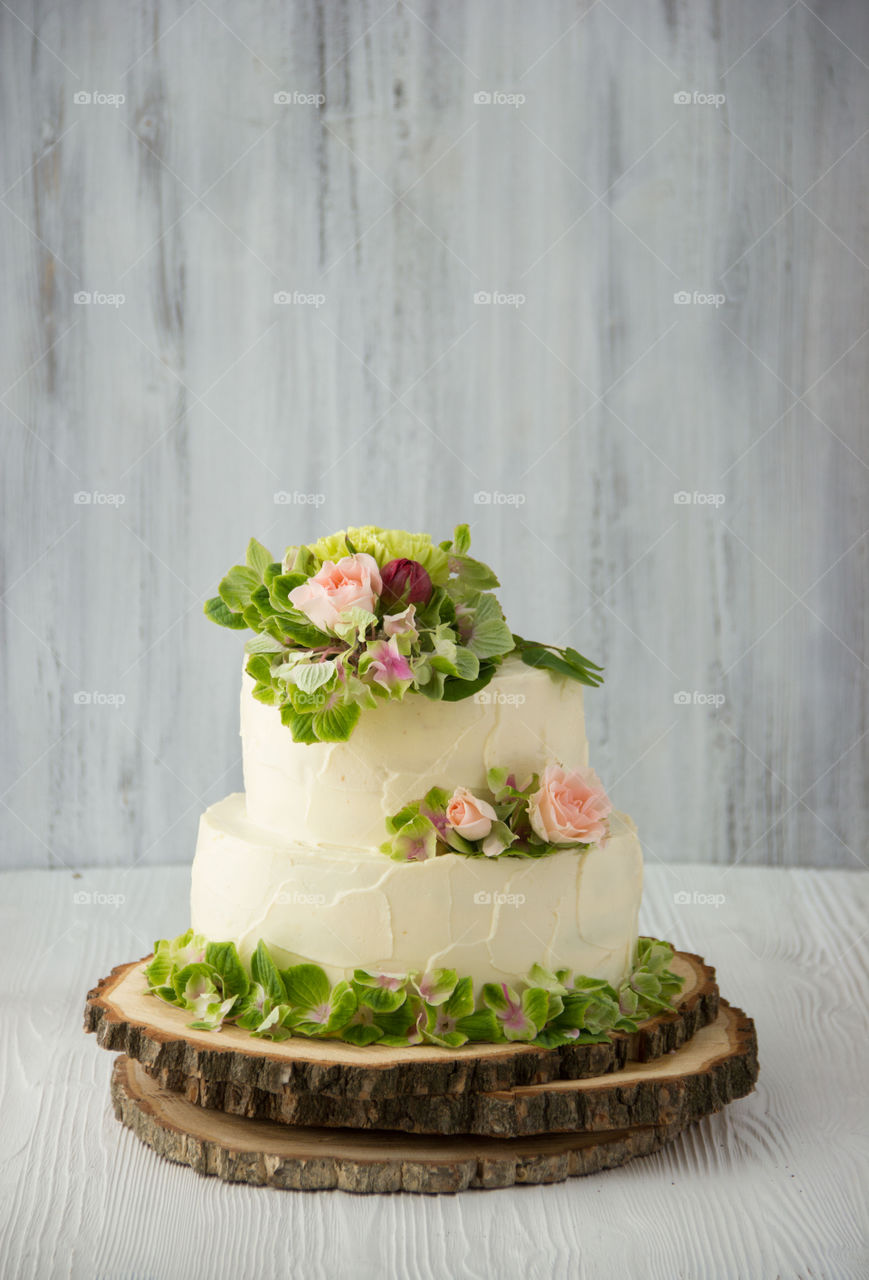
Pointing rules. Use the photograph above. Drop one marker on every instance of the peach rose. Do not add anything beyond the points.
(570, 807)
(352, 582)
(468, 816)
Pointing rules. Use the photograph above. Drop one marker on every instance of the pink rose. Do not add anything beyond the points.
(353, 582)
(570, 807)
(468, 816)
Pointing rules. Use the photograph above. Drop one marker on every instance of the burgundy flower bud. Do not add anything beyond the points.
(404, 582)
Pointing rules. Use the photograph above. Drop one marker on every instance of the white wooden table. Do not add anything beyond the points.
(774, 1186)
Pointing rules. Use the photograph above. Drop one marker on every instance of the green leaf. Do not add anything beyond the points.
(429, 682)
(264, 971)
(309, 676)
(281, 586)
(380, 999)
(217, 611)
(296, 627)
(224, 957)
(645, 984)
(415, 841)
(353, 625)
(343, 1005)
(263, 644)
(361, 1033)
(401, 819)
(561, 662)
(467, 664)
(481, 1025)
(235, 589)
(461, 1002)
(301, 725)
(402, 1020)
(461, 540)
(545, 978)
(258, 558)
(193, 981)
(577, 660)
(259, 668)
(306, 985)
(437, 985)
(459, 843)
(212, 1017)
(335, 724)
(273, 1026)
(495, 998)
(159, 969)
(490, 635)
(455, 690)
(535, 1005)
(471, 575)
(261, 602)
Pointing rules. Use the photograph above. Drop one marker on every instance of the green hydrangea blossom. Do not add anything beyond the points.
(209, 980)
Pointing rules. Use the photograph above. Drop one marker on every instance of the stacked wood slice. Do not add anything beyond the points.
(320, 1114)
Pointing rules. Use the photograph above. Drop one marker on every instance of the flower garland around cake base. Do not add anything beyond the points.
(553, 811)
(209, 980)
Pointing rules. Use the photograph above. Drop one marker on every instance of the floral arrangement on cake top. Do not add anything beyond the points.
(369, 614)
(555, 810)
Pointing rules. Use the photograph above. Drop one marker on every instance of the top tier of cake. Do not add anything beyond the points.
(341, 793)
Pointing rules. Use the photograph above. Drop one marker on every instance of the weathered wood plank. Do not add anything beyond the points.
(398, 399)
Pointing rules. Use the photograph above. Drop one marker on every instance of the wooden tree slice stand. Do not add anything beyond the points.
(718, 1065)
(266, 1154)
(128, 1020)
(311, 1114)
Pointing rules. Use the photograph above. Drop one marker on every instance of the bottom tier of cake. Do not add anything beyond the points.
(346, 909)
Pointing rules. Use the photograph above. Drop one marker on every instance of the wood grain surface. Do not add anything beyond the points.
(773, 1186)
(562, 426)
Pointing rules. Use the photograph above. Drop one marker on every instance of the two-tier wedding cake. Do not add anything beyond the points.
(421, 852)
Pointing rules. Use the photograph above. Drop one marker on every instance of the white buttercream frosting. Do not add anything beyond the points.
(341, 793)
(348, 908)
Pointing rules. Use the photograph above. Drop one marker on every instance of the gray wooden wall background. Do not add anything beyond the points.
(540, 153)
